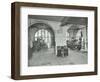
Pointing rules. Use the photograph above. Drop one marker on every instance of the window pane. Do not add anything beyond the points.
(46, 33)
(35, 38)
(43, 33)
(36, 34)
(39, 33)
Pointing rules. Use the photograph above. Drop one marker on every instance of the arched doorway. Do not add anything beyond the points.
(40, 36)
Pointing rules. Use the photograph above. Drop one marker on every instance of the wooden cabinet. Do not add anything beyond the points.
(62, 51)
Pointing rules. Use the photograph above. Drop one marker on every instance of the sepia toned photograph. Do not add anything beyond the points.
(57, 40)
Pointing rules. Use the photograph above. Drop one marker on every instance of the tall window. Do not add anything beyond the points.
(43, 35)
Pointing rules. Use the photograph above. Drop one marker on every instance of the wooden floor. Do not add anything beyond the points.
(47, 58)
